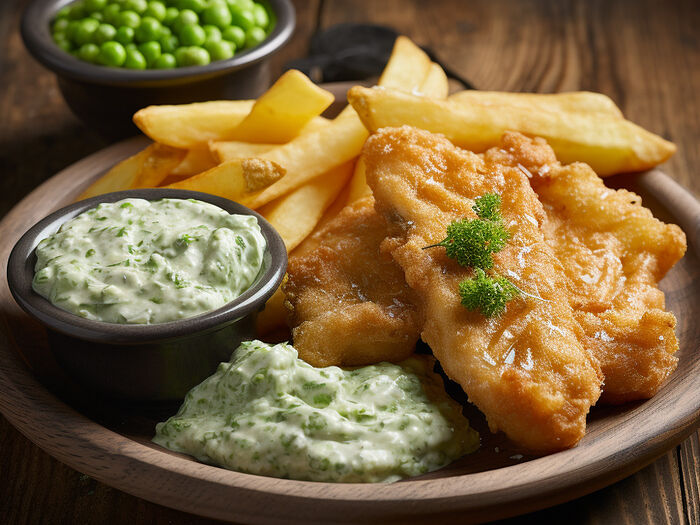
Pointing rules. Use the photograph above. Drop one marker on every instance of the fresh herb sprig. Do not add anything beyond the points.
(472, 243)
(487, 294)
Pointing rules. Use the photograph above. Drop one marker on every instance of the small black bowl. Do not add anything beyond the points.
(106, 98)
(158, 362)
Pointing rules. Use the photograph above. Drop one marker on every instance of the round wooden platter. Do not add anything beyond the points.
(112, 443)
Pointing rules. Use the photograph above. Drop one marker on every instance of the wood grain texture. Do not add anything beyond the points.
(644, 54)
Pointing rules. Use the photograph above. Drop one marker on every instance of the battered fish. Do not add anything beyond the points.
(613, 253)
(349, 304)
(526, 369)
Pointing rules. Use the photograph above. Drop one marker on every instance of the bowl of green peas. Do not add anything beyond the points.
(113, 57)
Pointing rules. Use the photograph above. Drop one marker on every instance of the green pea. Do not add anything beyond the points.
(64, 44)
(217, 15)
(95, 5)
(112, 54)
(77, 11)
(171, 14)
(150, 51)
(234, 34)
(243, 18)
(213, 33)
(131, 47)
(125, 35)
(97, 15)
(220, 50)
(61, 25)
(165, 61)
(104, 33)
(89, 53)
(84, 31)
(168, 44)
(156, 10)
(241, 4)
(72, 29)
(254, 36)
(148, 30)
(192, 56)
(192, 35)
(262, 19)
(129, 19)
(165, 31)
(64, 12)
(187, 17)
(134, 59)
(62, 41)
(111, 14)
(195, 5)
(139, 6)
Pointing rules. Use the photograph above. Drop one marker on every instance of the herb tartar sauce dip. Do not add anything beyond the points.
(138, 261)
(268, 412)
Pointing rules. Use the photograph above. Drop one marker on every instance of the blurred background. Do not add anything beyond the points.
(644, 54)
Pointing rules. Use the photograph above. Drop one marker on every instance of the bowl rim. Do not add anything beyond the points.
(34, 28)
(20, 271)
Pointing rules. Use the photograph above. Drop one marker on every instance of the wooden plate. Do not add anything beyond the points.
(112, 443)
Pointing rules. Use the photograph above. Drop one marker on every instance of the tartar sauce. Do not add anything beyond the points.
(139, 261)
(268, 412)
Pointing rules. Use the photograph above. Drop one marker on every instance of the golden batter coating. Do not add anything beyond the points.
(526, 369)
(349, 304)
(613, 253)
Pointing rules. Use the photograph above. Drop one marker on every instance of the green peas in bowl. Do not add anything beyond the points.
(190, 32)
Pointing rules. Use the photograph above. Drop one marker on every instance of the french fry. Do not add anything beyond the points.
(146, 169)
(302, 159)
(608, 144)
(191, 126)
(575, 101)
(234, 180)
(229, 150)
(435, 83)
(312, 154)
(358, 183)
(408, 65)
(273, 319)
(283, 110)
(196, 161)
(296, 214)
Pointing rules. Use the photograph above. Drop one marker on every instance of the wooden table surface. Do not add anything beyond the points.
(645, 54)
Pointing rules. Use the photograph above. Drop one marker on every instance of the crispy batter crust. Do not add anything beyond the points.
(527, 369)
(349, 304)
(613, 253)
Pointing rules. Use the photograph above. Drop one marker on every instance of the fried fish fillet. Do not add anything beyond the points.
(613, 253)
(526, 369)
(349, 304)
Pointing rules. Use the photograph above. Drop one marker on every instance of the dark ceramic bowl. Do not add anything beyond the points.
(158, 362)
(106, 98)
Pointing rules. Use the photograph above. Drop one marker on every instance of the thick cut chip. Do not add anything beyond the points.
(613, 253)
(234, 180)
(607, 143)
(196, 161)
(192, 125)
(525, 369)
(146, 169)
(283, 110)
(295, 215)
(571, 102)
(349, 303)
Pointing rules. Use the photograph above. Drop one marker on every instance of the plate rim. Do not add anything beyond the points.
(491, 494)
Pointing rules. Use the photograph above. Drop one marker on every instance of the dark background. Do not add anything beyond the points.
(644, 54)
